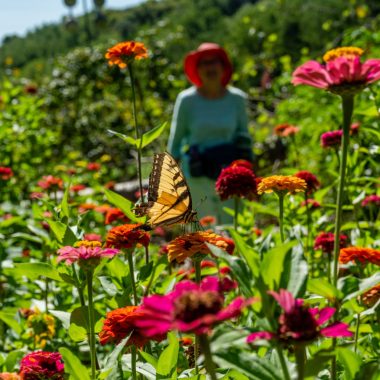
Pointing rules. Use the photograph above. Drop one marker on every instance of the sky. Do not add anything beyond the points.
(20, 16)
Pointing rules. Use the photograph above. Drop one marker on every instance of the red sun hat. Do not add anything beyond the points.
(192, 59)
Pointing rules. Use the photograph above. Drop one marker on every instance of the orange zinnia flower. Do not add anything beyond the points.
(285, 130)
(363, 255)
(120, 323)
(281, 184)
(127, 236)
(125, 53)
(188, 245)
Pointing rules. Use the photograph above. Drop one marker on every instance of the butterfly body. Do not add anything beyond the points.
(169, 200)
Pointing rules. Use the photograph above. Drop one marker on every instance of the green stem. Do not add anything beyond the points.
(137, 132)
(357, 332)
(133, 362)
(348, 107)
(284, 366)
(147, 255)
(300, 354)
(197, 267)
(329, 267)
(281, 219)
(91, 319)
(236, 212)
(209, 364)
(308, 254)
(132, 274)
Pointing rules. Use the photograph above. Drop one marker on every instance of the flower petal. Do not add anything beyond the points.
(337, 330)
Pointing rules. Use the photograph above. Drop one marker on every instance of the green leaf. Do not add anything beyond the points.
(58, 228)
(9, 319)
(364, 284)
(113, 357)
(323, 288)
(73, 366)
(238, 267)
(34, 270)
(123, 204)
(28, 237)
(13, 359)
(152, 135)
(63, 316)
(149, 358)
(167, 361)
(351, 362)
(273, 264)
(249, 254)
(128, 139)
(65, 211)
(316, 364)
(295, 272)
(253, 367)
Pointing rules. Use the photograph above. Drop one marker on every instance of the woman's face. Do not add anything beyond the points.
(210, 69)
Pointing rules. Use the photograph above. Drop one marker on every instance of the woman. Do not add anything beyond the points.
(209, 126)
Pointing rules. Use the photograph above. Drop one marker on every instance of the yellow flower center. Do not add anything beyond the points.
(348, 52)
(88, 244)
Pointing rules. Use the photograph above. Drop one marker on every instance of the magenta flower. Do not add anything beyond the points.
(371, 200)
(42, 365)
(301, 323)
(325, 242)
(87, 253)
(190, 307)
(331, 139)
(342, 72)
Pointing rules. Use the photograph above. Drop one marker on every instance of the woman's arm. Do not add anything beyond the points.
(178, 129)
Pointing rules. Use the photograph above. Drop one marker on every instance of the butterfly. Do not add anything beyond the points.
(169, 200)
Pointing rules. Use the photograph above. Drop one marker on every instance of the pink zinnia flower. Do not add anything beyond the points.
(301, 323)
(312, 203)
(331, 139)
(342, 73)
(92, 237)
(371, 201)
(42, 365)
(190, 307)
(87, 253)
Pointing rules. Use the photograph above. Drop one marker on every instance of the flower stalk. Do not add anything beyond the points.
(137, 131)
(281, 216)
(236, 212)
(206, 350)
(132, 274)
(348, 106)
(300, 354)
(91, 320)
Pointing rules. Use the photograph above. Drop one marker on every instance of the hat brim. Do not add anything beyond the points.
(191, 65)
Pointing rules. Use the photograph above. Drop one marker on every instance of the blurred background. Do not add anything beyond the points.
(58, 96)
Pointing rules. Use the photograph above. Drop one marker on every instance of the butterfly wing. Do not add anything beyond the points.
(169, 199)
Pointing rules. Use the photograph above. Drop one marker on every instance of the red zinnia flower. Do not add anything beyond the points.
(120, 323)
(331, 139)
(311, 180)
(358, 254)
(312, 203)
(50, 183)
(236, 181)
(207, 221)
(77, 188)
(115, 214)
(93, 166)
(5, 173)
(243, 163)
(190, 307)
(285, 130)
(325, 242)
(127, 236)
(41, 365)
(354, 129)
